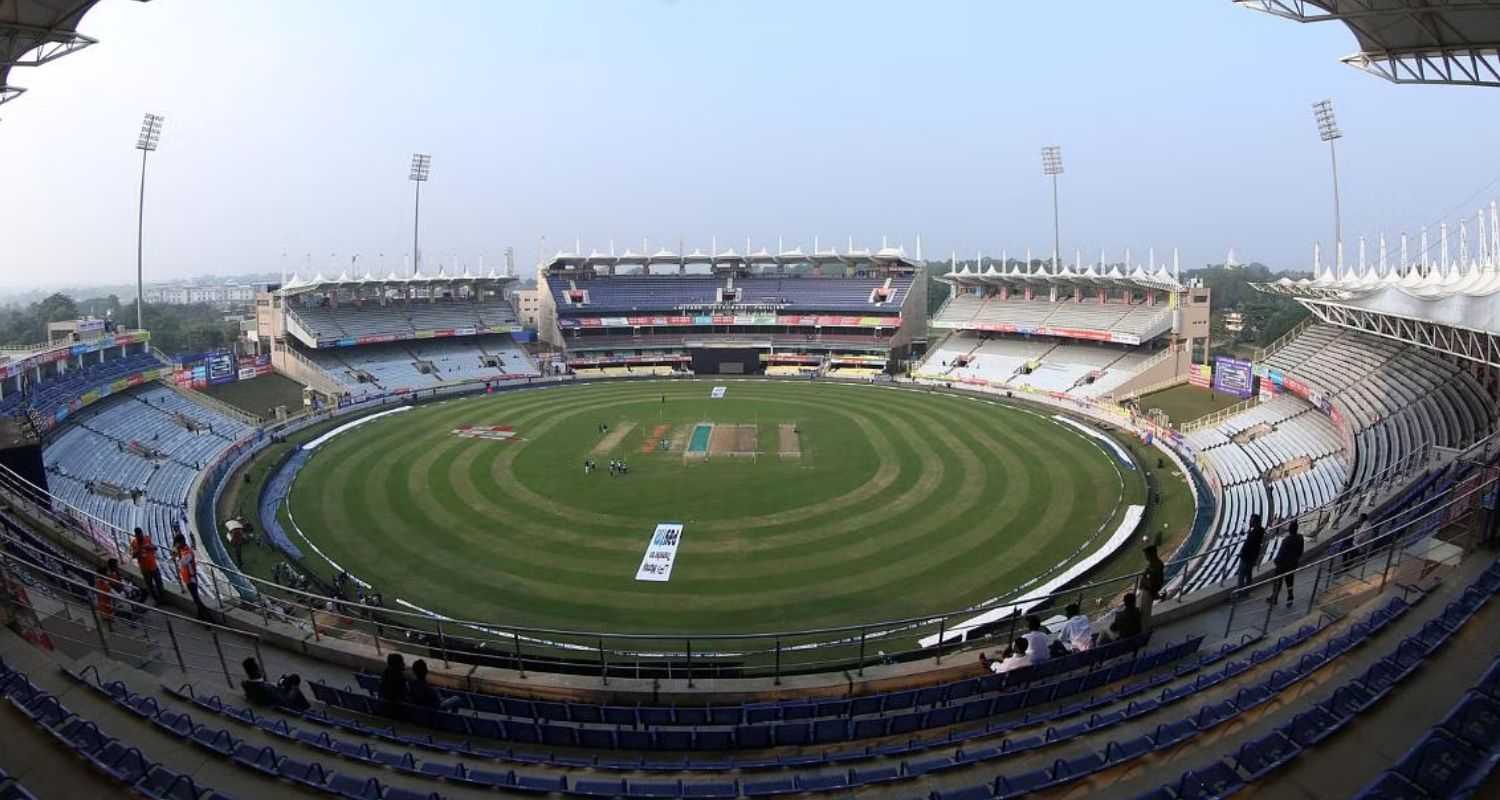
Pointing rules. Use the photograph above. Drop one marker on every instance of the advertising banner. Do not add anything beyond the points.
(1233, 376)
(1200, 375)
(661, 553)
(222, 367)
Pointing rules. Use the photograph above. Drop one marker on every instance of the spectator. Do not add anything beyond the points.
(1127, 621)
(422, 693)
(1288, 556)
(1255, 539)
(1015, 658)
(257, 691)
(393, 696)
(419, 693)
(143, 550)
(1077, 633)
(187, 572)
(104, 595)
(1038, 640)
(291, 693)
(1152, 582)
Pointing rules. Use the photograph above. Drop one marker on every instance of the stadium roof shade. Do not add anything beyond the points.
(299, 285)
(34, 32)
(885, 257)
(1090, 276)
(1410, 41)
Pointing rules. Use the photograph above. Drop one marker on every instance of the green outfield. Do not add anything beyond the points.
(803, 505)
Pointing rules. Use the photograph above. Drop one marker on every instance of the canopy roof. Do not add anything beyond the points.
(319, 283)
(1093, 275)
(33, 32)
(1410, 41)
(884, 258)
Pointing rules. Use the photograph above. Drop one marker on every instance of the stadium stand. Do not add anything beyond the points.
(423, 363)
(401, 320)
(130, 459)
(1141, 321)
(735, 314)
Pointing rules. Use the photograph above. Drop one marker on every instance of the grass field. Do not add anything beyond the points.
(1187, 402)
(895, 503)
(259, 396)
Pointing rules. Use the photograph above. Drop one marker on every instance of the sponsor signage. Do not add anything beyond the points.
(67, 351)
(1233, 376)
(661, 553)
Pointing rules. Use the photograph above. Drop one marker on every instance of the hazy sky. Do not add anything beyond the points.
(290, 125)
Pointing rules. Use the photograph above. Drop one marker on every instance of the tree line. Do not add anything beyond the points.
(175, 329)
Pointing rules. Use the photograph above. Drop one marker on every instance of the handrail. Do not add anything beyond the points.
(1214, 417)
(1283, 340)
(397, 625)
(212, 402)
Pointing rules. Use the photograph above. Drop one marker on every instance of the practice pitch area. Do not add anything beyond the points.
(807, 504)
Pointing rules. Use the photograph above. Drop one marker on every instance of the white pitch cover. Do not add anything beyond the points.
(661, 553)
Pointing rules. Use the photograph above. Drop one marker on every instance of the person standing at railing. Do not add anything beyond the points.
(1288, 556)
(143, 550)
(1255, 540)
(1153, 579)
(105, 587)
(187, 572)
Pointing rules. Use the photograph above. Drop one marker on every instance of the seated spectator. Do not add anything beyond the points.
(291, 693)
(1038, 640)
(1077, 633)
(1018, 658)
(393, 697)
(1127, 621)
(257, 691)
(421, 692)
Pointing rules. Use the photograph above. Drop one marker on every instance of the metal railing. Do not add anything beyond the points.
(58, 608)
(1436, 529)
(312, 618)
(1286, 338)
(1215, 417)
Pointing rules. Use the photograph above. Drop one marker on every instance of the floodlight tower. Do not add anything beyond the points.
(146, 143)
(1052, 167)
(421, 163)
(1328, 131)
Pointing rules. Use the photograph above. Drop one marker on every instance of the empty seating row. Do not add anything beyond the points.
(967, 310)
(1449, 761)
(668, 292)
(118, 760)
(400, 319)
(131, 458)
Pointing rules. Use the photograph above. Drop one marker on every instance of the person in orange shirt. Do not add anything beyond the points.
(106, 584)
(187, 572)
(143, 550)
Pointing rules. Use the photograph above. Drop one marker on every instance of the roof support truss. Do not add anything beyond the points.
(1409, 41)
(1459, 66)
(41, 45)
(9, 93)
(1481, 346)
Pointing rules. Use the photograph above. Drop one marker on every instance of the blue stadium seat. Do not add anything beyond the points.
(1438, 764)
(1475, 721)
(1216, 780)
(1263, 756)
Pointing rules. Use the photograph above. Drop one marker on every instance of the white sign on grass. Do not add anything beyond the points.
(718, 392)
(656, 565)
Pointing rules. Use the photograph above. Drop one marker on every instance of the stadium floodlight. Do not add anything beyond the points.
(421, 164)
(147, 142)
(1328, 131)
(1052, 167)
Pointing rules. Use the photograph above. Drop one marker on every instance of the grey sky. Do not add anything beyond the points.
(290, 125)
